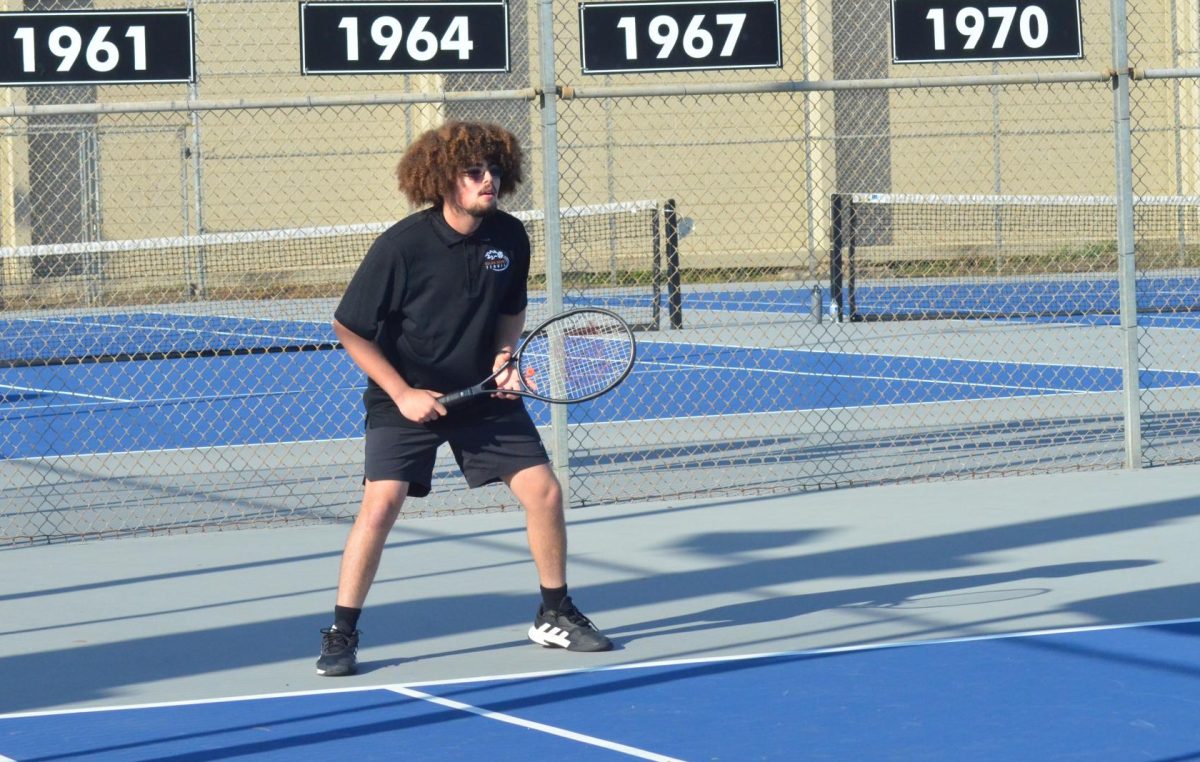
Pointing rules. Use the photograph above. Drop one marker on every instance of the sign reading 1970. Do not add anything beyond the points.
(679, 36)
(935, 31)
(406, 37)
(96, 47)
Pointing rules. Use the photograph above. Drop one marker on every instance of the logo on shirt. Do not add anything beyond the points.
(495, 260)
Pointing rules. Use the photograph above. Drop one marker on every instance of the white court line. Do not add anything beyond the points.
(864, 377)
(190, 702)
(530, 725)
(162, 400)
(36, 390)
(399, 687)
(1154, 320)
(803, 653)
(205, 448)
(175, 329)
(951, 358)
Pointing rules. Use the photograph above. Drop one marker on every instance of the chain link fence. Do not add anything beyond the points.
(846, 271)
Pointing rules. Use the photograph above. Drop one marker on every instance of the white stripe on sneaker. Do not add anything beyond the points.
(549, 635)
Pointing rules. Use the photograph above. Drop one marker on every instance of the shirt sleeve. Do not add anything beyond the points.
(517, 297)
(372, 292)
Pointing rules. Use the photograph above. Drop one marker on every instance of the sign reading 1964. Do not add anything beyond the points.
(405, 37)
(927, 31)
(679, 35)
(96, 47)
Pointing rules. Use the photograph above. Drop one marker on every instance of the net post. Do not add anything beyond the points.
(850, 309)
(656, 268)
(836, 274)
(674, 277)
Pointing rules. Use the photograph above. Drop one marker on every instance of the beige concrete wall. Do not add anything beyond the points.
(14, 191)
(14, 168)
(753, 172)
(260, 168)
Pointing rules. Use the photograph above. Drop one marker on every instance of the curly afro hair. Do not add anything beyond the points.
(429, 169)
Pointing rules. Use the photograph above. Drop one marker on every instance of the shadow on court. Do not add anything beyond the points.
(707, 563)
(779, 608)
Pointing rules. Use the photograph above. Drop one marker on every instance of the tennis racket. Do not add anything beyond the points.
(571, 357)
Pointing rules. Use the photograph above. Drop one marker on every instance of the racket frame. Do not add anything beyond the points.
(514, 361)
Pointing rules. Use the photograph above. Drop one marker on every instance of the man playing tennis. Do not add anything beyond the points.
(437, 304)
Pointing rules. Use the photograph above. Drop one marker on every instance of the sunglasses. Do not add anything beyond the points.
(477, 173)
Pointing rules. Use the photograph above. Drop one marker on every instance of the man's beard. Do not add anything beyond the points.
(481, 209)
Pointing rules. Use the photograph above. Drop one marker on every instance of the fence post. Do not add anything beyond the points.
(559, 435)
(199, 288)
(1126, 261)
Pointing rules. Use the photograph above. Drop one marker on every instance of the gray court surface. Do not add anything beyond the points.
(198, 616)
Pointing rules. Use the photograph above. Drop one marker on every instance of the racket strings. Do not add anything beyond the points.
(579, 356)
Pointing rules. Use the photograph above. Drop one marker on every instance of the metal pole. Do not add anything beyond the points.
(1180, 161)
(1126, 262)
(829, 85)
(559, 435)
(997, 174)
(806, 125)
(200, 287)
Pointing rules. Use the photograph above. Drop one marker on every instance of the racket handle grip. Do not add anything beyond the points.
(455, 398)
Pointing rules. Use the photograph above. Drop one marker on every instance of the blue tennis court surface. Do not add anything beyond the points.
(1046, 295)
(1163, 301)
(146, 332)
(1117, 693)
(310, 396)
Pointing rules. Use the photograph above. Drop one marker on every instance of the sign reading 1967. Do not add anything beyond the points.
(679, 35)
(374, 38)
(96, 47)
(926, 31)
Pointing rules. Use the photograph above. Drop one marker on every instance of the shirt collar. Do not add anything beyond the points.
(449, 235)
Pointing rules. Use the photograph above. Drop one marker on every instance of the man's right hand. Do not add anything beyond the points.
(420, 405)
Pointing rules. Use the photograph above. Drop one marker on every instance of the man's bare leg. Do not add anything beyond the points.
(558, 624)
(539, 492)
(377, 514)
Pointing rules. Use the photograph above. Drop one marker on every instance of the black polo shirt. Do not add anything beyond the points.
(429, 297)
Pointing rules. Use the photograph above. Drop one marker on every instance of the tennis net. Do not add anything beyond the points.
(269, 291)
(911, 257)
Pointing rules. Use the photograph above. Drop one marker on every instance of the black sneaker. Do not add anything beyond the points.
(339, 653)
(567, 628)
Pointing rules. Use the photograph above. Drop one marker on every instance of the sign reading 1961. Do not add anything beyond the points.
(96, 47)
(678, 36)
(926, 31)
(374, 38)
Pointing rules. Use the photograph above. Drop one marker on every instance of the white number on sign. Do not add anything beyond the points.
(1033, 26)
(386, 33)
(457, 38)
(698, 42)
(66, 43)
(422, 45)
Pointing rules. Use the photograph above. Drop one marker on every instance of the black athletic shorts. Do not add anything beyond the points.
(489, 440)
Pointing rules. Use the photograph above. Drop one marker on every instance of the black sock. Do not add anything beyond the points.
(345, 619)
(552, 597)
